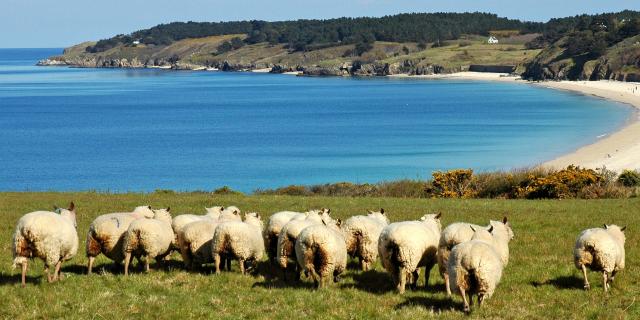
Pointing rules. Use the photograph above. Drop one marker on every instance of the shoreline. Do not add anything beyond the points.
(617, 151)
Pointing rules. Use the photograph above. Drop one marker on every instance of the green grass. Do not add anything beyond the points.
(540, 281)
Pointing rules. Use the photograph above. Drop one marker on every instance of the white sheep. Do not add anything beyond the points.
(460, 232)
(475, 266)
(600, 249)
(182, 220)
(289, 234)
(321, 252)
(275, 223)
(148, 238)
(238, 240)
(361, 235)
(50, 236)
(106, 234)
(194, 239)
(406, 246)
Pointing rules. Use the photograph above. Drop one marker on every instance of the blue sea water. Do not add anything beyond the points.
(139, 130)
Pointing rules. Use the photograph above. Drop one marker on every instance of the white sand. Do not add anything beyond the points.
(617, 151)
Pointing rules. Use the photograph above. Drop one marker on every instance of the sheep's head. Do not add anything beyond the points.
(230, 214)
(145, 211)
(379, 215)
(502, 227)
(616, 231)
(432, 220)
(69, 213)
(482, 234)
(254, 219)
(214, 212)
(162, 214)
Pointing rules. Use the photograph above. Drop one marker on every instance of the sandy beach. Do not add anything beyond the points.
(617, 151)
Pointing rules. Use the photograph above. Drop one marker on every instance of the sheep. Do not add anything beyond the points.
(460, 232)
(106, 234)
(194, 239)
(182, 220)
(600, 249)
(321, 252)
(238, 240)
(289, 233)
(475, 266)
(361, 235)
(275, 223)
(50, 236)
(406, 246)
(148, 238)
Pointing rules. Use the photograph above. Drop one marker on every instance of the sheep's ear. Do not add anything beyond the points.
(370, 211)
(72, 206)
(438, 215)
(221, 208)
(149, 207)
(623, 228)
(257, 215)
(490, 229)
(328, 210)
(55, 208)
(382, 210)
(168, 209)
(606, 226)
(505, 220)
(236, 212)
(472, 228)
(339, 222)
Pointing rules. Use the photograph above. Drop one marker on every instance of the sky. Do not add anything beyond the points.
(61, 23)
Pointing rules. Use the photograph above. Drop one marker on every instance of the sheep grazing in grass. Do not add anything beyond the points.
(289, 234)
(361, 235)
(238, 240)
(184, 219)
(475, 266)
(106, 234)
(275, 223)
(50, 236)
(406, 246)
(600, 249)
(194, 239)
(460, 232)
(148, 238)
(321, 252)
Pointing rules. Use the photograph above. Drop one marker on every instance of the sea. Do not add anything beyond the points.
(140, 130)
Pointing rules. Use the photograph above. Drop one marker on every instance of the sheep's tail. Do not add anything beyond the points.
(131, 240)
(315, 258)
(94, 246)
(584, 255)
(272, 245)
(21, 249)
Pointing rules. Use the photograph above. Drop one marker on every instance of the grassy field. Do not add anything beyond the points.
(539, 283)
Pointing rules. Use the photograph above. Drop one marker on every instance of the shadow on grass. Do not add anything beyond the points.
(14, 279)
(562, 282)
(431, 303)
(371, 281)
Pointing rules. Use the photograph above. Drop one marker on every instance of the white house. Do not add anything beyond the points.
(136, 42)
(492, 40)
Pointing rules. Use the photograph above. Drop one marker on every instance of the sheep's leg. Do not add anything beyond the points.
(242, 269)
(216, 262)
(466, 307)
(46, 271)
(402, 280)
(56, 271)
(446, 283)
(24, 273)
(146, 263)
(480, 300)
(90, 265)
(605, 281)
(415, 275)
(127, 260)
(587, 286)
(228, 259)
(364, 265)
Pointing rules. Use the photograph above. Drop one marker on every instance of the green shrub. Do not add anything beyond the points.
(629, 178)
(453, 184)
(562, 184)
(225, 190)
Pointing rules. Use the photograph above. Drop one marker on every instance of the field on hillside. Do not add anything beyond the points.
(540, 282)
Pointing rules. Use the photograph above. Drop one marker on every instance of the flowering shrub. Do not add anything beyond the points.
(453, 184)
(629, 178)
(562, 184)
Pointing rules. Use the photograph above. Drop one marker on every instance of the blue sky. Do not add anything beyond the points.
(46, 23)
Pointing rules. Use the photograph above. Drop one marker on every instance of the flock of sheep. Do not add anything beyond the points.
(470, 258)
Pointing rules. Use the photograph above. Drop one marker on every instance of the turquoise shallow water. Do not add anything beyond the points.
(140, 130)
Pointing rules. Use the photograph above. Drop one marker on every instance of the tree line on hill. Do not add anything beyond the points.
(300, 35)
